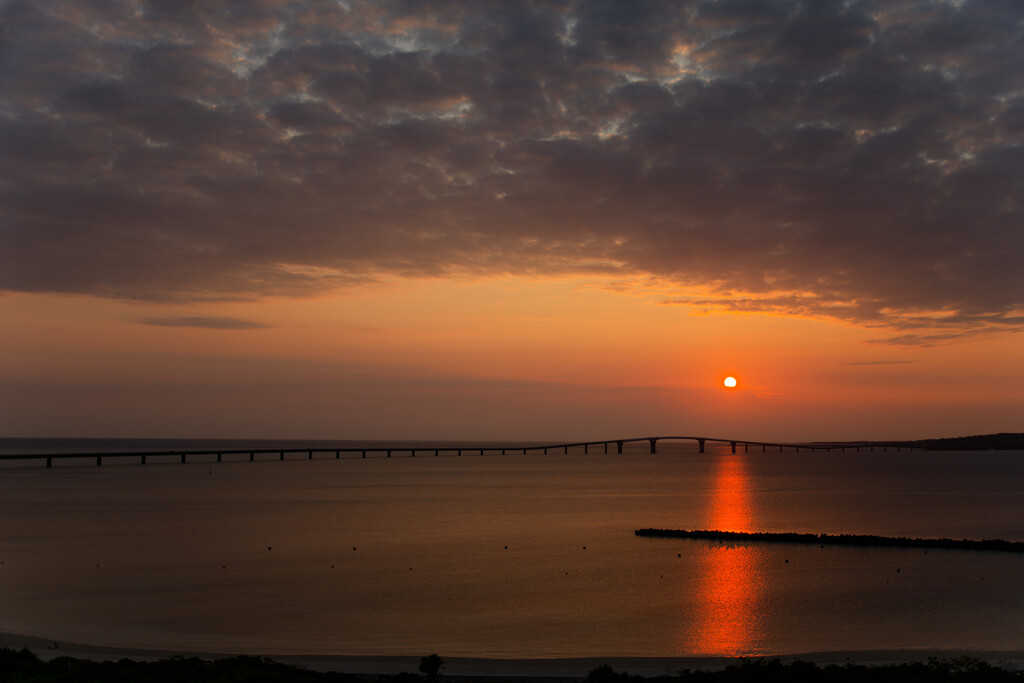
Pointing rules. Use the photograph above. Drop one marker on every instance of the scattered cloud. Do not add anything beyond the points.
(879, 362)
(208, 323)
(862, 161)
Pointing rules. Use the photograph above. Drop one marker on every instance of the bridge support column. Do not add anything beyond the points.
(586, 448)
(218, 457)
(733, 445)
(619, 444)
(566, 452)
(746, 448)
(763, 447)
(606, 448)
(389, 454)
(364, 454)
(99, 461)
(143, 460)
(252, 456)
(182, 458)
(49, 462)
(545, 451)
(311, 455)
(654, 445)
(337, 455)
(282, 455)
(437, 452)
(700, 445)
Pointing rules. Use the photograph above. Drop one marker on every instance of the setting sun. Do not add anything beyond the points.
(730, 382)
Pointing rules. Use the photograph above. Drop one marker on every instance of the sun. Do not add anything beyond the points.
(730, 382)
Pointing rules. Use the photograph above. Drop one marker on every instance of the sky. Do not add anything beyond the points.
(511, 220)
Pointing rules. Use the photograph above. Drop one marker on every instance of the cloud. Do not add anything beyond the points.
(857, 160)
(208, 323)
(879, 362)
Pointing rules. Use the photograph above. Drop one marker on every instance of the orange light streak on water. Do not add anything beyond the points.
(729, 585)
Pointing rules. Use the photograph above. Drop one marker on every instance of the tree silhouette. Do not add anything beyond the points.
(431, 667)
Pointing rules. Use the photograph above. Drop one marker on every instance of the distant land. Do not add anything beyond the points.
(1004, 441)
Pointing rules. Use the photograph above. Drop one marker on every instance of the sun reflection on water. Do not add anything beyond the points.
(729, 582)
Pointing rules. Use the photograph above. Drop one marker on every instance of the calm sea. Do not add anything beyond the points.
(511, 556)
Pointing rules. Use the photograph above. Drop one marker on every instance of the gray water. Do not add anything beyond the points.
(513, 556)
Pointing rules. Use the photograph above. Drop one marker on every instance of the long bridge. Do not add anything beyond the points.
(387, 450)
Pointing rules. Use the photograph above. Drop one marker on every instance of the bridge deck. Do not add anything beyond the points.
(461, 449)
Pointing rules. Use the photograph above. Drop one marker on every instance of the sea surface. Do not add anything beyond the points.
(508, 555)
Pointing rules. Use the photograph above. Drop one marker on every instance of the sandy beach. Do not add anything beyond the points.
(536, 669)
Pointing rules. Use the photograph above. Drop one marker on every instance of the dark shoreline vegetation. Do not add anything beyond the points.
(23, 666)
(996, 544)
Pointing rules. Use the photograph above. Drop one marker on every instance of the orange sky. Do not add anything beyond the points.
(502, 358)
(512, 220)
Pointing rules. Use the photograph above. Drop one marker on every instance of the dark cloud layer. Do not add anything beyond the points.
(862, 160)
(212, 323)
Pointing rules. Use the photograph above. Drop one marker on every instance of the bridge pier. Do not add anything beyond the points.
(763, 447)
(389, 454)
(437, 452)
(700, 445)
(364, 454)
(732, 444)
(49, 462)
(142, 461)
(218, 457)
(337, 455)
(654, 445)
(619, 444)
(586, 448)
(746, 447)
(252, 456)
(311, 455)
(99, 461)
(282, 455)
(606, 448)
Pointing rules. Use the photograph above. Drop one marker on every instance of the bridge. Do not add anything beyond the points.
(386, 451)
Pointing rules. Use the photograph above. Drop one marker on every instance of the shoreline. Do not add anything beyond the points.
(537, 668)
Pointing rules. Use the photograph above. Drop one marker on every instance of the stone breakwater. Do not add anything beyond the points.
(838, 539)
